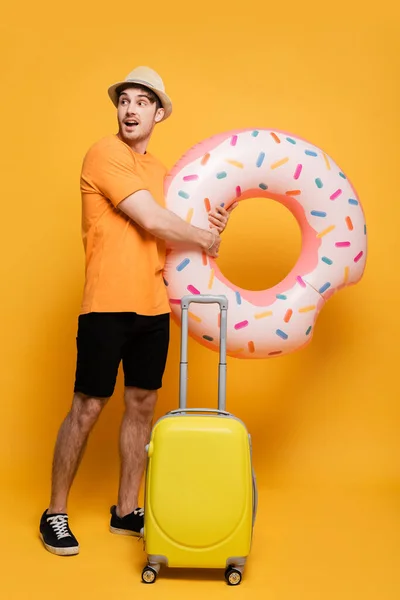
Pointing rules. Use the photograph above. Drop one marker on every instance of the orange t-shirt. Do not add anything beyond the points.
(124, 263)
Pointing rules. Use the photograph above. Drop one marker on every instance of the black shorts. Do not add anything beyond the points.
(104, 339)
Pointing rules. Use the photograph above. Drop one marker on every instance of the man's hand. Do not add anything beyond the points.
(219, 216)
(211, 248)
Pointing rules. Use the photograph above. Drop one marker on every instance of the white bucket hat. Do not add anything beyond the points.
(148, 78)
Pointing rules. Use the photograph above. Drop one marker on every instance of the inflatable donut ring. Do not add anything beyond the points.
(251, 163)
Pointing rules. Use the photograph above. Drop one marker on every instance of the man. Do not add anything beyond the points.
(125, 310)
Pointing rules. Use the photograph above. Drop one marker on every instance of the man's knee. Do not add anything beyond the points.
(139, 401)
(86, 410)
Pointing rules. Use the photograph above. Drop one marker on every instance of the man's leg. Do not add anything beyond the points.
(144, 358)
(135, 434)
(99, 343)
(56, 535)
(70, 446)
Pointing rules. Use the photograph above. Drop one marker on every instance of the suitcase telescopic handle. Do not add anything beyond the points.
(222, 301)
(213, 411)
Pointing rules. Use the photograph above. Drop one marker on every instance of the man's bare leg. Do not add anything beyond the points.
(135, 434)
(70, 446)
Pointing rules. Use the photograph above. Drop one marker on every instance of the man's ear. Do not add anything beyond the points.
(159, 115)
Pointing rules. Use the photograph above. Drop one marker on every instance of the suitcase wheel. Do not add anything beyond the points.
(233, 576)
(149, 575)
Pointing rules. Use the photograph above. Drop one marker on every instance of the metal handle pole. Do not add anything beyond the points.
(222, 301)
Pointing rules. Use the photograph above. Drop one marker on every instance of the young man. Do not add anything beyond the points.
(125, 310)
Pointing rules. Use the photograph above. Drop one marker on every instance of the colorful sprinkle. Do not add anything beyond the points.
(234, 139)
(183, 264)
(342, 244)
(165, 282)
(205, 159)
(365, 230)
(279, 163)
(342, 175)
(327, 260)
(207, 204)
(318, 213)
(308, 330)
(324, 287)
(359, 255)
(194, 317)
(255, 133)
(288, 315)
(175, 301)
(263, 186)
(326, 231)
(183, 194)
(189, 215)
(336, 194)
(275, 137)
(267, 313)
(275, 353)
(328, 166)
(349, 224)
(282, 334)
(204, 258)
(260, 159)
(221, 174)
(293, 193)
(281, 297)
(208, 338)
(346, 274)
(251, 347)
(190, 177)
(353, 201)
(319, 183)
(238, 298)
(301, 281)
(241, 325)
(238, 191)
(306, 309)
(311, 153)
(211, 280)
(236, 163)
(291, 140)
(298, 171)
(192, 289)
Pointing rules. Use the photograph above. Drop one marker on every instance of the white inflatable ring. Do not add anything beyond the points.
(253, 163)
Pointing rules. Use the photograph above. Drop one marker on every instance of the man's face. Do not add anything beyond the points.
(137, 115)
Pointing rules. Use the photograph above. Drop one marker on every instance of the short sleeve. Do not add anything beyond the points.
(110, 170)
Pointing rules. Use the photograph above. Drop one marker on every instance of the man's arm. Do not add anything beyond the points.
(162, 223)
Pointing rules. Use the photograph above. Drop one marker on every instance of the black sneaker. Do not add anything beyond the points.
(57, 536)
(131, 524)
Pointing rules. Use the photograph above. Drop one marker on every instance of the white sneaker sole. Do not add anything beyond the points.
(126, 532)
(60, 551)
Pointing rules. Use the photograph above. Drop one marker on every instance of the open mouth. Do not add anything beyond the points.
(131, 124)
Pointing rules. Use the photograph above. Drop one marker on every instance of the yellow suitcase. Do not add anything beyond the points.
(200, 490)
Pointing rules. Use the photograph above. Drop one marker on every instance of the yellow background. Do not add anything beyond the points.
(324, 420)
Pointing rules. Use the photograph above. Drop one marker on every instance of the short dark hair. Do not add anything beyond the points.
(154, 99)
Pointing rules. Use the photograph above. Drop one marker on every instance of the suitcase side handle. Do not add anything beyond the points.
(222, 301)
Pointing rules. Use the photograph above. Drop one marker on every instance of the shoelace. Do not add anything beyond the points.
(60, 526)
(139, 511)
